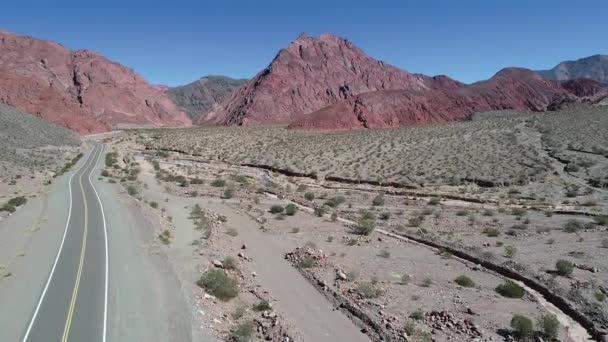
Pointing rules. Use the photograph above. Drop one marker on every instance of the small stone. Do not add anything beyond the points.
(254, 274)
(244, 246)
(217, 264)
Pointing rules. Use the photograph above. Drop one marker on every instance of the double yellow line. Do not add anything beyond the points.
(68, 321)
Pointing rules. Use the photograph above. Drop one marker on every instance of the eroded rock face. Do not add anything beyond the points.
(81, 90)
(312, 73)
(511, 88)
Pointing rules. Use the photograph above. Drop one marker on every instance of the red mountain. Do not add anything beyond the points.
(81, 90)
(511, 88)
(312, 73)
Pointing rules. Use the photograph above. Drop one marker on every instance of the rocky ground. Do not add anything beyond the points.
(33, 152)
(387, 284)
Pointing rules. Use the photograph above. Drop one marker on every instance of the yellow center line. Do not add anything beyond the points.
(68, 322)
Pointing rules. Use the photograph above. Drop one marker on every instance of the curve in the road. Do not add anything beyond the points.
(74, 261)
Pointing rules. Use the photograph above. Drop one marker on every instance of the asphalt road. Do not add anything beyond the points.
(73, 303)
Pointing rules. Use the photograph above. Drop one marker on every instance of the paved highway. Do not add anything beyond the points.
(73, 304)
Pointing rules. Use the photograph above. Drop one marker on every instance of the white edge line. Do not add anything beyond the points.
(48, 281)
(105, 232)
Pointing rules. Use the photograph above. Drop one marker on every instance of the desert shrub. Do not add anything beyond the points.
(218, 183)
(263, 305)
(573, 226)
(319, 211)
(417, 315)
(243, 332)
(219, 284)
(229, 263)
(378, 200)
(564, 267)
(153, 204)
(405, 279)
(228, 193)
(462, 212)
(291, 209)
(295, 230)
(165, 237)
(385, 216)
(307, 262)
(17, 201)
(572, 168)
(600, 296)
(604, 243)
(601, 220)
(488, 212)
(434, 201)
(335, 201)
(334, 217)
(384, 254)
(464, 281)
(415, 221)
(276, 209)
(105, 173)
(110, 159)
(132, 190)
(518, 212)
(368, 290)
(309, 196)
(510, 289)
(523, 327)
(8, 208)
(548, 213)
(197, 181)
(491, 232)
(549, 325)
(365, 225)
(427, 282)
(510, 251)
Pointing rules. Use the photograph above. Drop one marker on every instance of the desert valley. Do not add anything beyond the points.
(331, 197)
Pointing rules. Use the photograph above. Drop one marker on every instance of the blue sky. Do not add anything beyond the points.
(177, 42)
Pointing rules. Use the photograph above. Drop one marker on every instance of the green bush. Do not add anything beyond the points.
(230, 263)
(228, 193)
(366, 224)
(319, 211)
(510, 251)
(600, 296)
(276, 209)
(263, 305)
(523, 327)
(573, 226)
(335, 201)
(550, 326)
(219, 284)
(309, 196)
(17, 201)
(368, 290)
(243, 332)
(197, 181)
(8, 208)
(601, 220)
(218, 183)
(153, 204)
(132, 190)
(510, 290)
(491, 232)
(464, 281)
(378, 200)
(564, 267)
(291, 209)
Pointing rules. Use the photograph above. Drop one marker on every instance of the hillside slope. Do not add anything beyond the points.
(511, 88)
(198, 97)
(594, 67)
(312, 73)
(81, 90)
